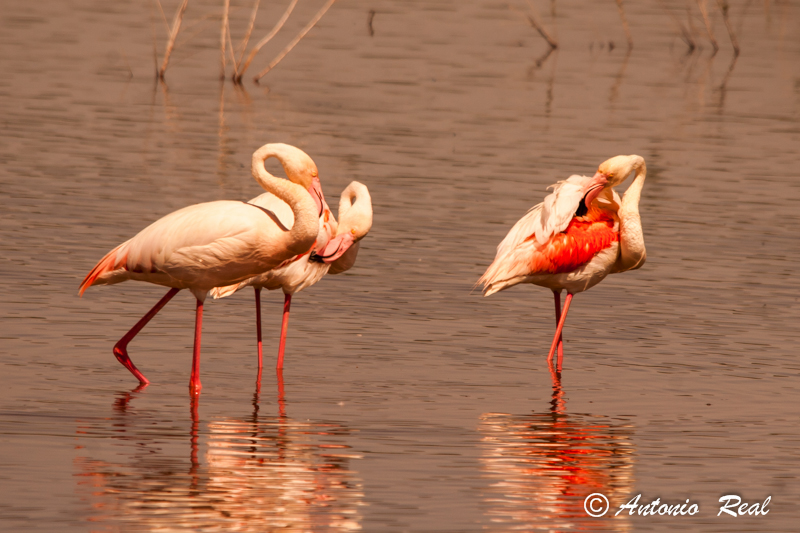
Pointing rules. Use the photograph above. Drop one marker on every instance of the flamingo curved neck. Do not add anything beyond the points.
(306, 220)
(632, 250)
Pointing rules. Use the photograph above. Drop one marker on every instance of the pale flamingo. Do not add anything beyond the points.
(334, 257)
(216, 243)
(573, 239)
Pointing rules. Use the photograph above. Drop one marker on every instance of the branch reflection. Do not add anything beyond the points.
(260, 473)
(543, 466)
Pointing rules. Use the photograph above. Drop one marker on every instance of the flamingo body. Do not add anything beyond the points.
(578, 235)
(217, 243)
(200, 247)
(330, 255)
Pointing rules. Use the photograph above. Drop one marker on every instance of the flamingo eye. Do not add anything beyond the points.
(353, 231)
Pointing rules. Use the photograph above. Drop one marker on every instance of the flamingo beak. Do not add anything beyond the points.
(599, 181)
(336, 247)
(315, 190)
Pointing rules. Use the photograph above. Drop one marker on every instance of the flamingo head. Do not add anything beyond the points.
(302, 170)
(617, 169)
(355, 221)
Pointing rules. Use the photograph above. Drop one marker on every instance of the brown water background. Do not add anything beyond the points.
(410, 403)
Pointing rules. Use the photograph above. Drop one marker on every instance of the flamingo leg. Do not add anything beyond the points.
(281, 394)
(258, 326)
(121, 348)
(557, 298)
(287, 302)
(194, 382)
(558, 330)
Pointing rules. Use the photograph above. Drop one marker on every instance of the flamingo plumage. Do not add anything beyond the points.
(332, 257)
(216, 243)
(578, 235)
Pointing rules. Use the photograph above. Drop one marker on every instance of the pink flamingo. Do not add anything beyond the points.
(571, 241)
(335, 256)
(215, 244)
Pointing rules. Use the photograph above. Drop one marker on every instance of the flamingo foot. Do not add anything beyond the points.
(121, 348)
(121, 353)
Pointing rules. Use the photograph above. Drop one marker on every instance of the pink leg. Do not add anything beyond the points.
(121, 348)
(287, 301)
(258, 327)
(281, 394)
(557, 297)
(558, 330)
(194, 382)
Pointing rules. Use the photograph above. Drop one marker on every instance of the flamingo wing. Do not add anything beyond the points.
(550, 239)
(214, 243)
(547, 218)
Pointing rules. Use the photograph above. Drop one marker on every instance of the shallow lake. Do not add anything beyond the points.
(408, 402)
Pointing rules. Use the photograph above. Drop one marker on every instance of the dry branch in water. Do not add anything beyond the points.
(243, 46)
(625, 24)
(296, 40)
(237, 75)
(370, 18)
(723, 6)
(223, 33)
(704, 11)
(173, 34)
(533, 19)
(686, 34)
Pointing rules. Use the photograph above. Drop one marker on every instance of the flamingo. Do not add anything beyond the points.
(334, 257)
(571, 241)
(215, 244)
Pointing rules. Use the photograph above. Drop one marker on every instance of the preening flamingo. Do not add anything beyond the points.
(335, 256)
(571, 241)
(216, 244)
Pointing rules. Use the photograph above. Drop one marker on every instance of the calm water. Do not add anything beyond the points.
(407, 403)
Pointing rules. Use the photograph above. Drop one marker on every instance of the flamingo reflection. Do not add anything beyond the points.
(260, 473)
(543, 466)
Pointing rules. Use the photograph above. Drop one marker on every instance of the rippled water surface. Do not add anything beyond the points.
(407, 403)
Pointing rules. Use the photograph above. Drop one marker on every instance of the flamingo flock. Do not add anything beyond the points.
(288, 239)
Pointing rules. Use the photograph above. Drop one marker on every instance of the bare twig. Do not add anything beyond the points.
(723, 6)
(223, 32)
(240, 72)
(704, 11)
(370, 18)
(614, 94)
(687, 32)
(296, 40)
(243, 46)
(176, 26)
(155, 43)
(724, 85)
(128, 65)
(539, 62)
(625, 24)
(230, 45)
(534, 21)
(163, 16)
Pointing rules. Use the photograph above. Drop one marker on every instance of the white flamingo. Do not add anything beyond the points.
(576, 237)
(215, 244)
(336, 256)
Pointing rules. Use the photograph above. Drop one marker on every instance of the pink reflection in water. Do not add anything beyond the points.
(257, 474)
(543, 466)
